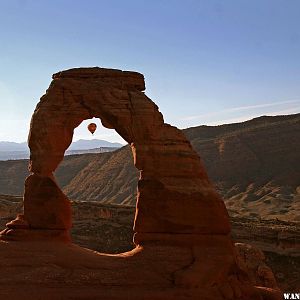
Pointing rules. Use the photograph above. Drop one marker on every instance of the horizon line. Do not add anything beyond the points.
(226, 122)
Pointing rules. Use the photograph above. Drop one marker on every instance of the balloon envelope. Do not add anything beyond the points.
(92, 127)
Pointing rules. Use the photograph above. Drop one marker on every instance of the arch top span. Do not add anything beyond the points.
(74, 95)
(112, 77)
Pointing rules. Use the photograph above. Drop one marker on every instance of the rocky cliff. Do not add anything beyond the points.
(254, 164)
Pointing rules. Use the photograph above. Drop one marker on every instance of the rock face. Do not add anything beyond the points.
(252, 261)
(45, 196)
(108, 229)
(184, 200)
(178, 211)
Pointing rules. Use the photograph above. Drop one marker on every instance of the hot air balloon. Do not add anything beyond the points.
(92, 127)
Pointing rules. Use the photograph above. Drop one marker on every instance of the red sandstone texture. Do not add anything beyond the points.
(182, 231)
(252, 261)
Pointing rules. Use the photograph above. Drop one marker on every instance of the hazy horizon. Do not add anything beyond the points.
(86, 135)
(204, 62)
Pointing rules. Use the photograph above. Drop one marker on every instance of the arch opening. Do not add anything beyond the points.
(102, 193)
(104, 168)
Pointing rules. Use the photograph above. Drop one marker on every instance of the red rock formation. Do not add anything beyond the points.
(252, 261)
(47, 207)
(178, 210)
(169, 165)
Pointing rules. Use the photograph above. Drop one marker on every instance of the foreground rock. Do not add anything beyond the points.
(52, 270)
(182, 232)
(108, 229)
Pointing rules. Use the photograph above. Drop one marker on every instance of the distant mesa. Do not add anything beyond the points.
(92, 144)
(13, 146)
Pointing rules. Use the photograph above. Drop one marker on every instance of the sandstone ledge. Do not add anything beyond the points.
(47, 271)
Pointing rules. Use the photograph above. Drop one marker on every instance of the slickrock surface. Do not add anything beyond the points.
(108, 229)
(52, 271)
(182, 230)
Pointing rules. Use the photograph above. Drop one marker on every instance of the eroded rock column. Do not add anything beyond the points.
(45, 205)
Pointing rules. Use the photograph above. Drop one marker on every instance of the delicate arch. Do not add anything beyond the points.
(174, 193)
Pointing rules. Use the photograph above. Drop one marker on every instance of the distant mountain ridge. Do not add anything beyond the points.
(93, 150)
(13, 150)
(91, 144)
(13, 146)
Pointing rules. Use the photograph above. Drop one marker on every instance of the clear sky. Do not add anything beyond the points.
(204, 61)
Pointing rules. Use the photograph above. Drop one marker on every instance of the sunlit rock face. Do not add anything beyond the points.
(182, 230)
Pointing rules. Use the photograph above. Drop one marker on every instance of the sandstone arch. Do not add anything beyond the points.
(178, 211)
(174, 193)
